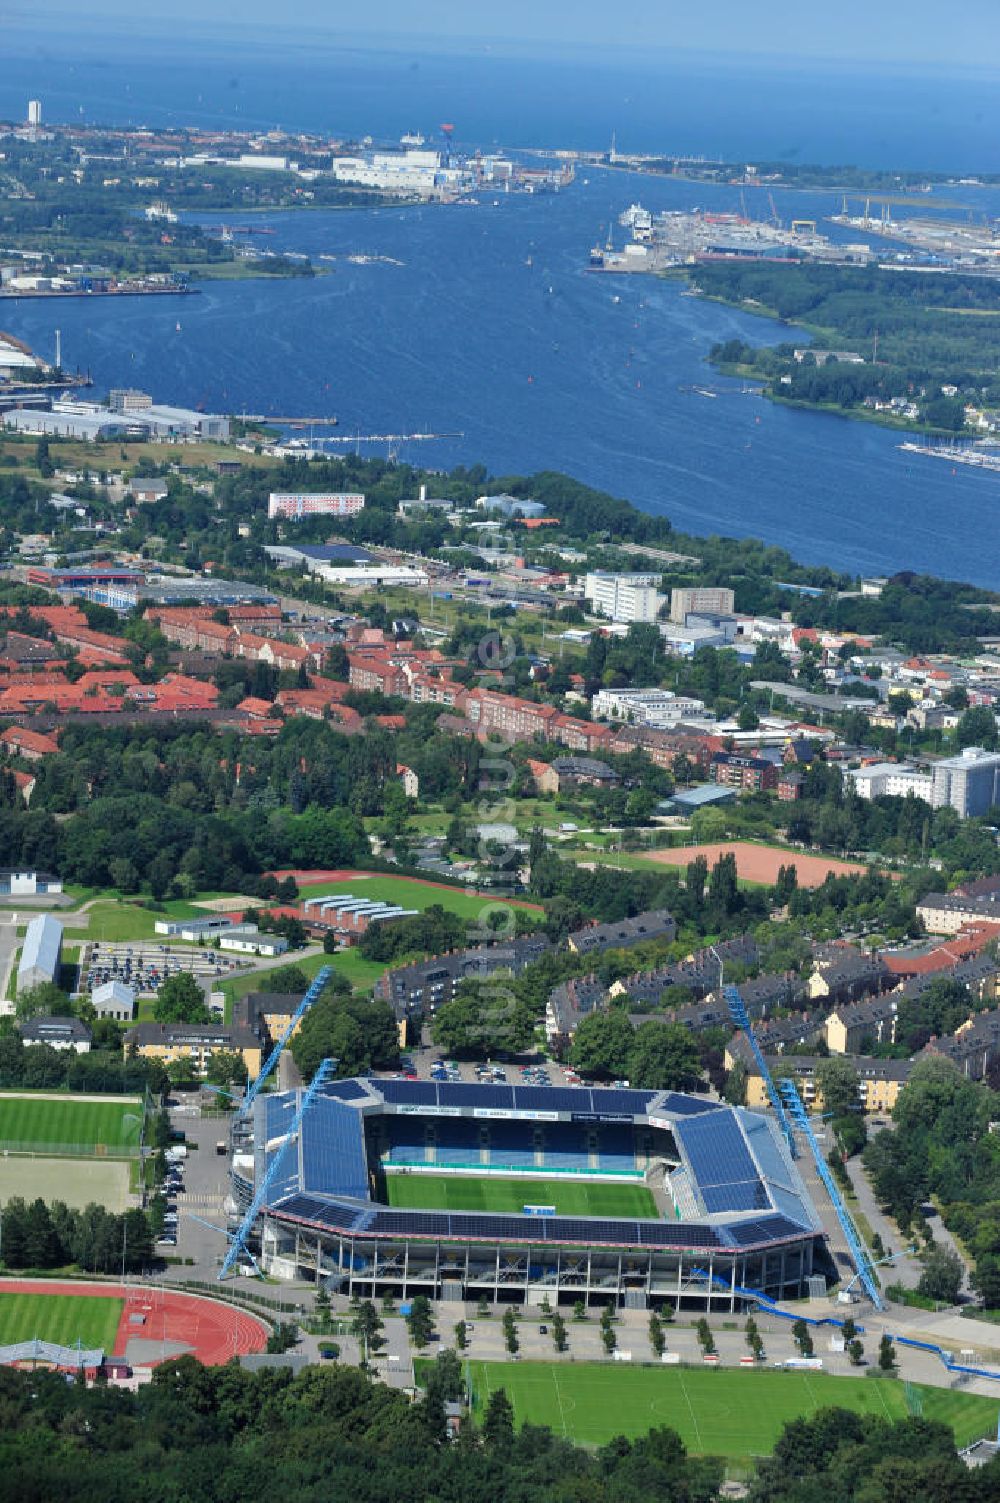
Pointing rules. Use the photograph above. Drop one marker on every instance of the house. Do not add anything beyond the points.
(32, 746)
(409, 780)
(752, 774)
(195, 1043)
(544, 776)
(947, 913)
(41, 953)
(879, 1081)
(844, 974)
(584, 772)
(849, 1028)
(593, 939)
(58, 1033)
(144, 489)
(974, 1047)
(418, 989)
(247, 939)
(789, 785)
(114, 1000)
(699, 972)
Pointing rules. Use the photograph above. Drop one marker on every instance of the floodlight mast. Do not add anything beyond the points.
(242, 1233)
(856, 1247)
(740, 1016)
(270, 1064)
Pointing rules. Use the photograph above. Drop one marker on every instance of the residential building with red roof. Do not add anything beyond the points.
(31, 745)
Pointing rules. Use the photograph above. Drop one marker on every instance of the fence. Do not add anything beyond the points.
(30, 1149)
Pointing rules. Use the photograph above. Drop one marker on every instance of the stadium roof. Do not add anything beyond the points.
(745, 1189)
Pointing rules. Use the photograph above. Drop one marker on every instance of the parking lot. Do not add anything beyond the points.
(146, 966)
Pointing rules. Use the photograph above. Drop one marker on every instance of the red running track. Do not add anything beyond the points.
(213, 1331)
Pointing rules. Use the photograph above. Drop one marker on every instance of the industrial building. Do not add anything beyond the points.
(659, 708)
(732, 1211)
(41, 953)
(114, 1000)
(18, 883)
(511, 506)
(69, 418)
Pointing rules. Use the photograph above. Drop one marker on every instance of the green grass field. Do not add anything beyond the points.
(51, 1121)
(449, 1192)
(736, 1413)
(62, 1318)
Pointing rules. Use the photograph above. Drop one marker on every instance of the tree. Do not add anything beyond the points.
(44, 998)
(461, 1335)
(367, 1326)
(977, 727)
(579, 1310)
(609, 1336)
(696, 878)
(942, 1274)
(181, 1000)
(657, 1340)
(226, 1068)
(886, 1354)
(838, 1081)
(498, 1422)
(802, 1338)
(289, 979)
(510, 1332)
(855, 1352)
(849, 1329)
(420, 1320)
(602, 1043)
(321, 1308)
(662, 1057)
(705, 1338)
(486, 1018)
(559, 1335)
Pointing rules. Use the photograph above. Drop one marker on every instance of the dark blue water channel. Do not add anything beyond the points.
(540, 366)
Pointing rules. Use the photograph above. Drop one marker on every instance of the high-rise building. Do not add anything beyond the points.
(695, 600)
(291, 504)
(624, 597)
(34, 112)
(970, 782)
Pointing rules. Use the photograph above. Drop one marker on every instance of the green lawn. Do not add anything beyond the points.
(737, 1413)
(449, 1192)
(413, 894)
(47, 1121)
(61, 1318)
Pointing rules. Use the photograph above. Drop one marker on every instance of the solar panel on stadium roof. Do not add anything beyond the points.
(687, 1106)
(631, 1103)
(677, 1234)
(578, 1229)
(410, 1223)
(767, 1229)
(333, 1149)
(721, 1164)
(550, 1098)
(454, 1094)
(308, 1208)
(408, 1092)
(346, 1090)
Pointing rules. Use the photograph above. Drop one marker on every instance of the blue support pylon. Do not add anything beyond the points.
(311, 996)
(740, 1016)
(242, 1233)
(856, 1247)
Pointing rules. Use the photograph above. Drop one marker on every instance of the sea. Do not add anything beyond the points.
(482, 322)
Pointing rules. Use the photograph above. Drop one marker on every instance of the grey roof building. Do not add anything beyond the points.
(114, 1000)
(423, 987)
(658, 923)
(58, 1033)
(41, 952)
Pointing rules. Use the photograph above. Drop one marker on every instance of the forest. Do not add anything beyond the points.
(209, 1434)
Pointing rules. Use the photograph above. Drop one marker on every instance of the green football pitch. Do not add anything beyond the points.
(65, 1319)
(571, 1197)
(735, 1412)
(55, 1122)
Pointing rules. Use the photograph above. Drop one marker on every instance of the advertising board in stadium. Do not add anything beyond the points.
(405, 1109)
(601, 1117)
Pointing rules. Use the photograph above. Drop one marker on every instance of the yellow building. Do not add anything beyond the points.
(847, 1027)
(879, 1081)
(197, 1042)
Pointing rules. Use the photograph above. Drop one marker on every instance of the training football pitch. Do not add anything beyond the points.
(61, 1318)
(571, 1197)
(89, 1124)
(736, 1413)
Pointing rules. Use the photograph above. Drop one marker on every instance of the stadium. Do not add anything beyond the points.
(522, 1193)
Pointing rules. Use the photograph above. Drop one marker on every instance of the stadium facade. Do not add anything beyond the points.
(732, 1210)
